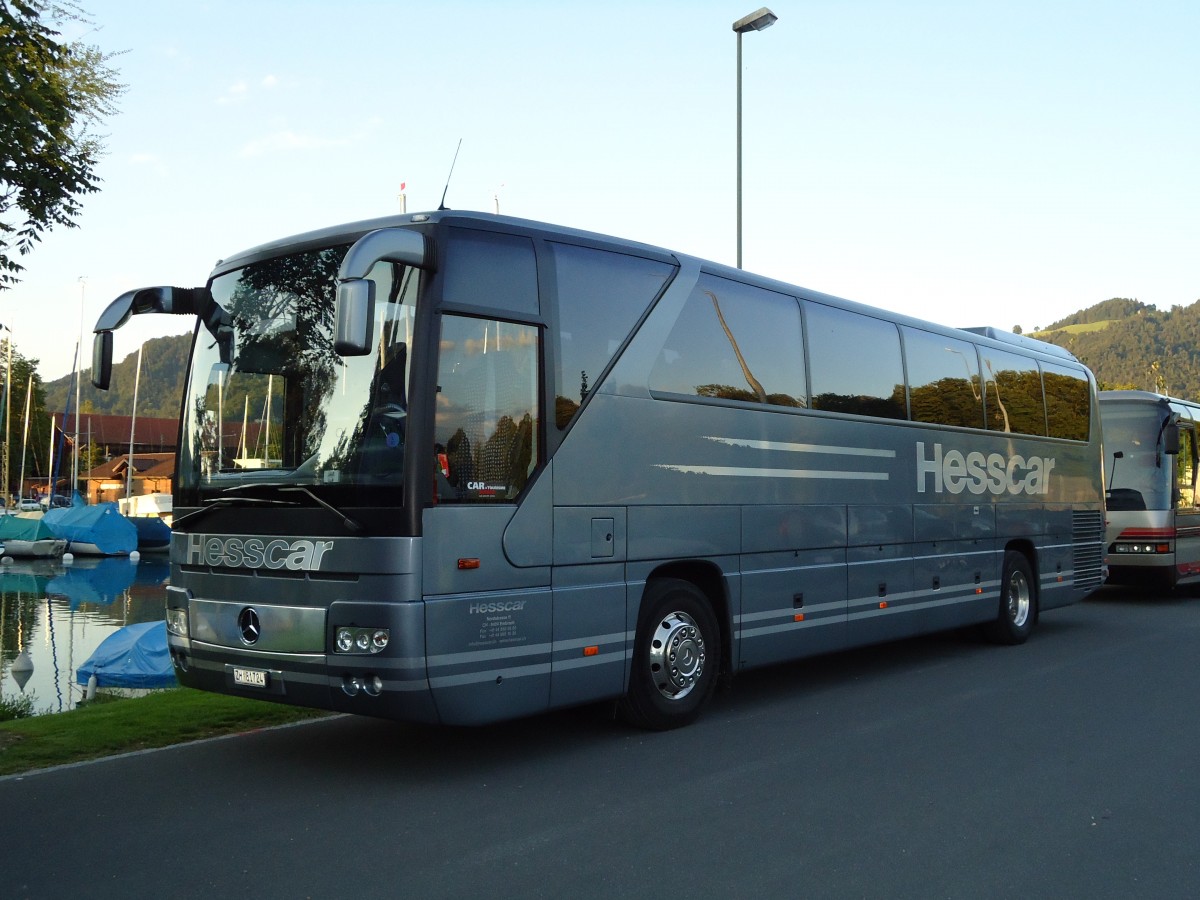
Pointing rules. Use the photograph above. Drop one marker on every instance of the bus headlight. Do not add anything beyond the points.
(349, 639)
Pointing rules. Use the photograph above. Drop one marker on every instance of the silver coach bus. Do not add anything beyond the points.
(1153, 525)
(456, 467)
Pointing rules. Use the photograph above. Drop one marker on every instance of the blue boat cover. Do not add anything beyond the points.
(135, 656)
(101, 524)
(152, 532)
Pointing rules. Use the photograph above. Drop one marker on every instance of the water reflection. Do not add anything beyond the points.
(53, 615)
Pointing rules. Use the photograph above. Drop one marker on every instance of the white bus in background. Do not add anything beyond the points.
(1153, 519)
(515, 467)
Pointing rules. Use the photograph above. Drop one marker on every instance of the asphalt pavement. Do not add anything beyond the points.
(936, 767)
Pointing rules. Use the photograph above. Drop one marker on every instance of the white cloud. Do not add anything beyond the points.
(235, 94)
(270, 81)
(288, 141)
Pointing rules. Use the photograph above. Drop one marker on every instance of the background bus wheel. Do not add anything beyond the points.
(1018, 602)
(676, 657)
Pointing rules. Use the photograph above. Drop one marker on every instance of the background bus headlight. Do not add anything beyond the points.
(177, 621)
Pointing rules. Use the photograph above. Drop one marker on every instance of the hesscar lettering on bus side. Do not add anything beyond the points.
(954, 471)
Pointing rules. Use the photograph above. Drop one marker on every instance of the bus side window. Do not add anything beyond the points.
(1185, 469)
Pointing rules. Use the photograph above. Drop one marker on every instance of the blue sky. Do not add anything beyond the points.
(971, 163)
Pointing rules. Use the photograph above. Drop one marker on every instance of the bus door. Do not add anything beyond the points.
(488, 612)
(1187, 510)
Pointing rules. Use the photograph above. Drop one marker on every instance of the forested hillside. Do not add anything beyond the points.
(1129, 344)
(158, 391)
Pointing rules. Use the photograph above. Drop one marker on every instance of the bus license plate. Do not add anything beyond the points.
(250, 677)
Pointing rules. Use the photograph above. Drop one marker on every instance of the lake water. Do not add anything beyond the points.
(54, 614)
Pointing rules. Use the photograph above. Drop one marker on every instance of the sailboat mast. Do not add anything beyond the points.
(137, 380)
(245, 420)
(267, 447)
(50, 467)
(75, 442)
(78, 345)
(25, 436)
(8, 419)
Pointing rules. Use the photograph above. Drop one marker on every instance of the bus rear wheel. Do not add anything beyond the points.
(676, 656)
(1018, 602)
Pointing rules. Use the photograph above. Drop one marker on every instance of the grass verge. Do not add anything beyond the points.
(159, 719)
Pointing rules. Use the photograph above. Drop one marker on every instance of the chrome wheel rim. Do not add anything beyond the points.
(1018, 599)
(676, 655)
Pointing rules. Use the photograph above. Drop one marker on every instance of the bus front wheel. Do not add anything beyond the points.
(676, 656)
(1018, 602)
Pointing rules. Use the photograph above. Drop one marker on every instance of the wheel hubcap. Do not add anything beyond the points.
(1018, 599)
(676, 656)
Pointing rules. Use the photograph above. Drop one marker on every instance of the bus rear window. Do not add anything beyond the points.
(1068, 402)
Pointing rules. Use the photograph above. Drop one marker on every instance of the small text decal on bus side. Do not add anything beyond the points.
(978, 473)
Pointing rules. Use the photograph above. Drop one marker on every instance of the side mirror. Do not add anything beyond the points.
(356, 294)
(1171, 440)
(102, 352)
(355, 314)
(170, 300)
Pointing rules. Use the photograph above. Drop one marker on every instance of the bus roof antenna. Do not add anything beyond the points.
(442, 205)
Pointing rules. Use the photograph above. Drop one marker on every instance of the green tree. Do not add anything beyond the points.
(29, 448)
(52, 95)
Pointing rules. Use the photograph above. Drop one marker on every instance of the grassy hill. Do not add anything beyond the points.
(1129, 344)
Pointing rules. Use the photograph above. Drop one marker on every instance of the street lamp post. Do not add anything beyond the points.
(756, 21)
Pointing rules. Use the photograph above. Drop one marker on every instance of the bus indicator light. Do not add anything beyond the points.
(883, 604)
(798, 617)
(468, 563)
(591, 651)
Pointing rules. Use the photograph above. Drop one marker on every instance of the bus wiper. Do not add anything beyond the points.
(228, 501)
(351, 524)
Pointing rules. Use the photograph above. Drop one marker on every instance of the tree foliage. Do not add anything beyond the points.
(164, 363)
(52, 96)
(1129, 344)
(28, 447)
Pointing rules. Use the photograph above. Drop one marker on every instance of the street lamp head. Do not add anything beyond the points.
(756, 21)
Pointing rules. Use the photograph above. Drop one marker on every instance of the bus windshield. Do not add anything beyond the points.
(1140, 478)
(276, 404)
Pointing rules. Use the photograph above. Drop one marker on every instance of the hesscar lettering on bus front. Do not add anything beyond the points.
(953, 472)
(256, 553)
